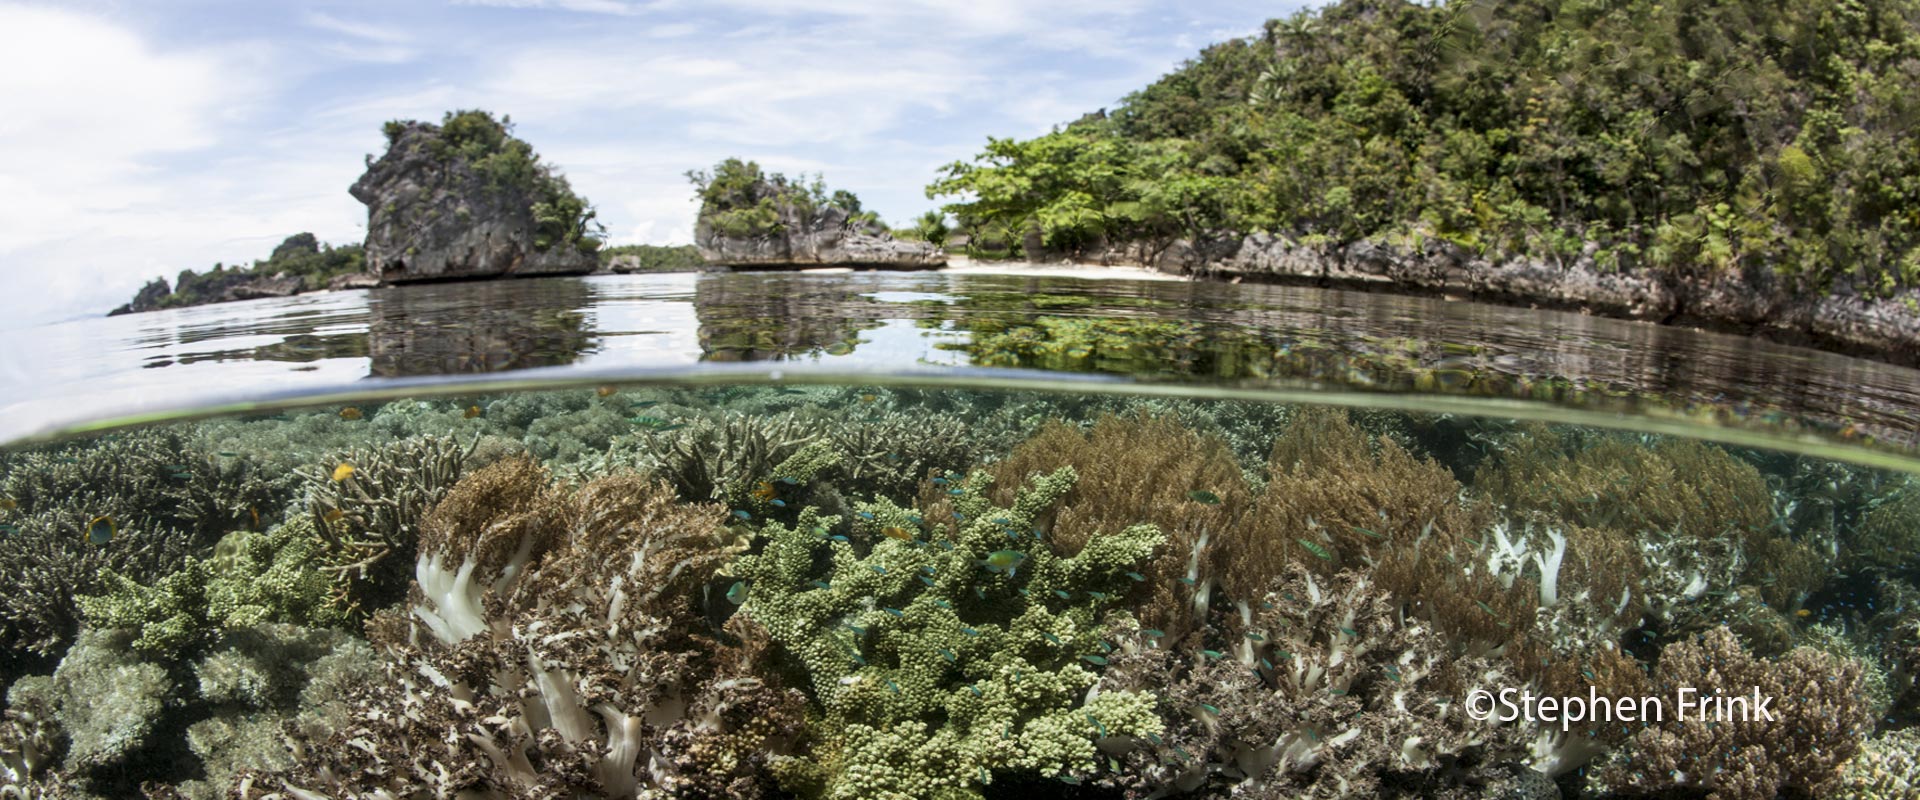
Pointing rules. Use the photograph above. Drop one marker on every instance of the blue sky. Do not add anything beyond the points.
(141, 138)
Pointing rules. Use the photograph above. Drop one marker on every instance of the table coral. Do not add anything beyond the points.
(907, 618)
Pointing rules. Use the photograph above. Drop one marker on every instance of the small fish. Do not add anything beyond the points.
(969, 631)
(1154, 632)
(858, 660)
(1024, 593)
(229, 454)
(1188, 581)
(821, 585)
(857, 630)
(1063, 594)
(471, 412)
(777, 503)
(1101, 596)
(1201, 496)
(927, 569)
(737, 593)
(764, 491)
(868, 398)
(1210, 709)
(350, 413)
(637, 404)
(1487, 608)
(255, 513)
(1370, 532)
(1094, 660)
(788, 481)
(1007, 561)
(956, 492)
(1070, 780)
(1050, 637)
(894, 686)
(839, 538)
(342, 472)
(1393, 673)
(897, 532)
(948, 655)
(926, 580)
(1803, 613)
(864, 515)
(742, 515)
(1254, 637)
(1212, 654)
(939, 481)
(1350, 632)
(894, 612)
(1315, 548)
(1136, 577)
(657, 423)
(943, 604)
(333, 515)
(605, 391)
(946, 545)
(100, 531)
(877, 568)
(975, 690)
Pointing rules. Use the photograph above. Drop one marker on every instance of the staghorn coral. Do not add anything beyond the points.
(1132, 469)
(911, 626)
(731, 451)
(555, 647)
(365, 505)
(250, 578)
(166, 498)
(1821, 720)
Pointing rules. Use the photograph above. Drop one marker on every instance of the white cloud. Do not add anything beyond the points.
(616, 7)
(357, 30)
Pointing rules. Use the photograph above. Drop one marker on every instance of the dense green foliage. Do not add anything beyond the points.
(655, 258)
(489, 148)
(1685, 138)
(300, 254)
(739, 199)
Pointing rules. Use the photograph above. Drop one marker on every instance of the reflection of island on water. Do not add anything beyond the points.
(475, 327)
(782, 316)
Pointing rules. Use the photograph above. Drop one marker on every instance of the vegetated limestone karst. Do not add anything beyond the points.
(466, 199)
(1512, 150)
(758, 219)
(299, 264)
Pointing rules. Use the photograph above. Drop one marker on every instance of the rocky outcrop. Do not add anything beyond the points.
(1756, 303)
(829, 238)
(356, 280)
(433, 214)
(148, 299)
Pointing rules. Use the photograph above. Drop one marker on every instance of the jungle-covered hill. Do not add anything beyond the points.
(1664, 138)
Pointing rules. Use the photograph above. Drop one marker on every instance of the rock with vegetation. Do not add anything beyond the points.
(301, 263)
(1735, 165)
(466, 199)
(750, 218)
(630, 258)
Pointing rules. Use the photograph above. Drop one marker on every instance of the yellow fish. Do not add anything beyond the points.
(256, 517)
(605, 391)
(333, 515)
(472, 411)
(765, 491)
(897, 532)
(350, 413)
(100, 531)
(1803, 613)
(868, 398)
(342, 472)
(7, 504)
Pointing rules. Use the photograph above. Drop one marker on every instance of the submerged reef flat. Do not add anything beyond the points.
(864, 592)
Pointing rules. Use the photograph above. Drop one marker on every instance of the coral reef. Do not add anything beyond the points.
(365, 505)
(937, 616)
(160, 497)
(1821, 720)
(251, 578)
(555, 646)
(1887, 768)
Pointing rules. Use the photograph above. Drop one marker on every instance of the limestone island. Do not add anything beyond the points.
(760, 220)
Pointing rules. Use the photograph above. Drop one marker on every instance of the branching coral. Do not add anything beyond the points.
(251, 578)
(1819, 719)
(941, 655)
(1888, 537)
(555, 647)
(710, 455)
(1887, 768)
(365, 505)
(158, 497)
(1133, 469)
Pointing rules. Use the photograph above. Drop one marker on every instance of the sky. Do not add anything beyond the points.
(141, 137)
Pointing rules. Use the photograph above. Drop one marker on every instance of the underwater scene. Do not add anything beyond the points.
(857, 590)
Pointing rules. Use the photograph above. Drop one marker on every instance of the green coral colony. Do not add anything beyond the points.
(861, 592)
